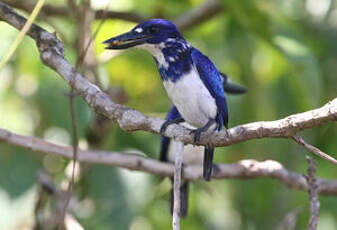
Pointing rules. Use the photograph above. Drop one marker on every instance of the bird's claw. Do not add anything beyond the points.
(197, 135)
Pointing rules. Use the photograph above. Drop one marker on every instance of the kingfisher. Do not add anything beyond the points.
(190, 78)
(193, 155)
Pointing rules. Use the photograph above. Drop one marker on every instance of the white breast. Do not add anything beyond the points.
(192, 99)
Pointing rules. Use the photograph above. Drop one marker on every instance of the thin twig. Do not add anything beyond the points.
(79, 62)
(81, 57)
(178, 161)
(313, 193)
(75, 155)
(313, 149)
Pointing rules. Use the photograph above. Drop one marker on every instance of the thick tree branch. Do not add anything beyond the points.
(245, 169)
(52, 55)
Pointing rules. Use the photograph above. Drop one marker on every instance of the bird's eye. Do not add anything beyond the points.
(152, 29)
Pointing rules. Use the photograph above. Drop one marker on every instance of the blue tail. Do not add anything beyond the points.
(208, 163)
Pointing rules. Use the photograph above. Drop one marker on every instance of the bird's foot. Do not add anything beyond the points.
(197, 132)
(169, 122)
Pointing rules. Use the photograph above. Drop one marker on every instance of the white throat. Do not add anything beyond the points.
(156, 51)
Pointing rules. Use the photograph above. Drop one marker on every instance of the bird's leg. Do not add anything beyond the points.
(197, 132)
(170, 122)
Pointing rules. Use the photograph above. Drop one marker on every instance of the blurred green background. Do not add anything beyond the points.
(284, 52)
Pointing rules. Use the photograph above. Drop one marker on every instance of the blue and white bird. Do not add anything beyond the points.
(192, 155)
(191, 80)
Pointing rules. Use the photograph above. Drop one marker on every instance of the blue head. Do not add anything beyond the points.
(146, 34)
(162, 39)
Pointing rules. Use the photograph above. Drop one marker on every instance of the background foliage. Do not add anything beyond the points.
(284, 52)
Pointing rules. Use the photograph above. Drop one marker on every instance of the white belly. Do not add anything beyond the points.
(192, 99)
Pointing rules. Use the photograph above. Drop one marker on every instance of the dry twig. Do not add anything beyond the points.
(313, 149)
(79, 62)
(313, 193)
(178, 162)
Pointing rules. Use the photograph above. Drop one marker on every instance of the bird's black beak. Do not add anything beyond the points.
(126, 40)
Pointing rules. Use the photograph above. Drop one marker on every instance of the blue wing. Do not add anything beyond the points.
(212, 80)
(164, 141)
